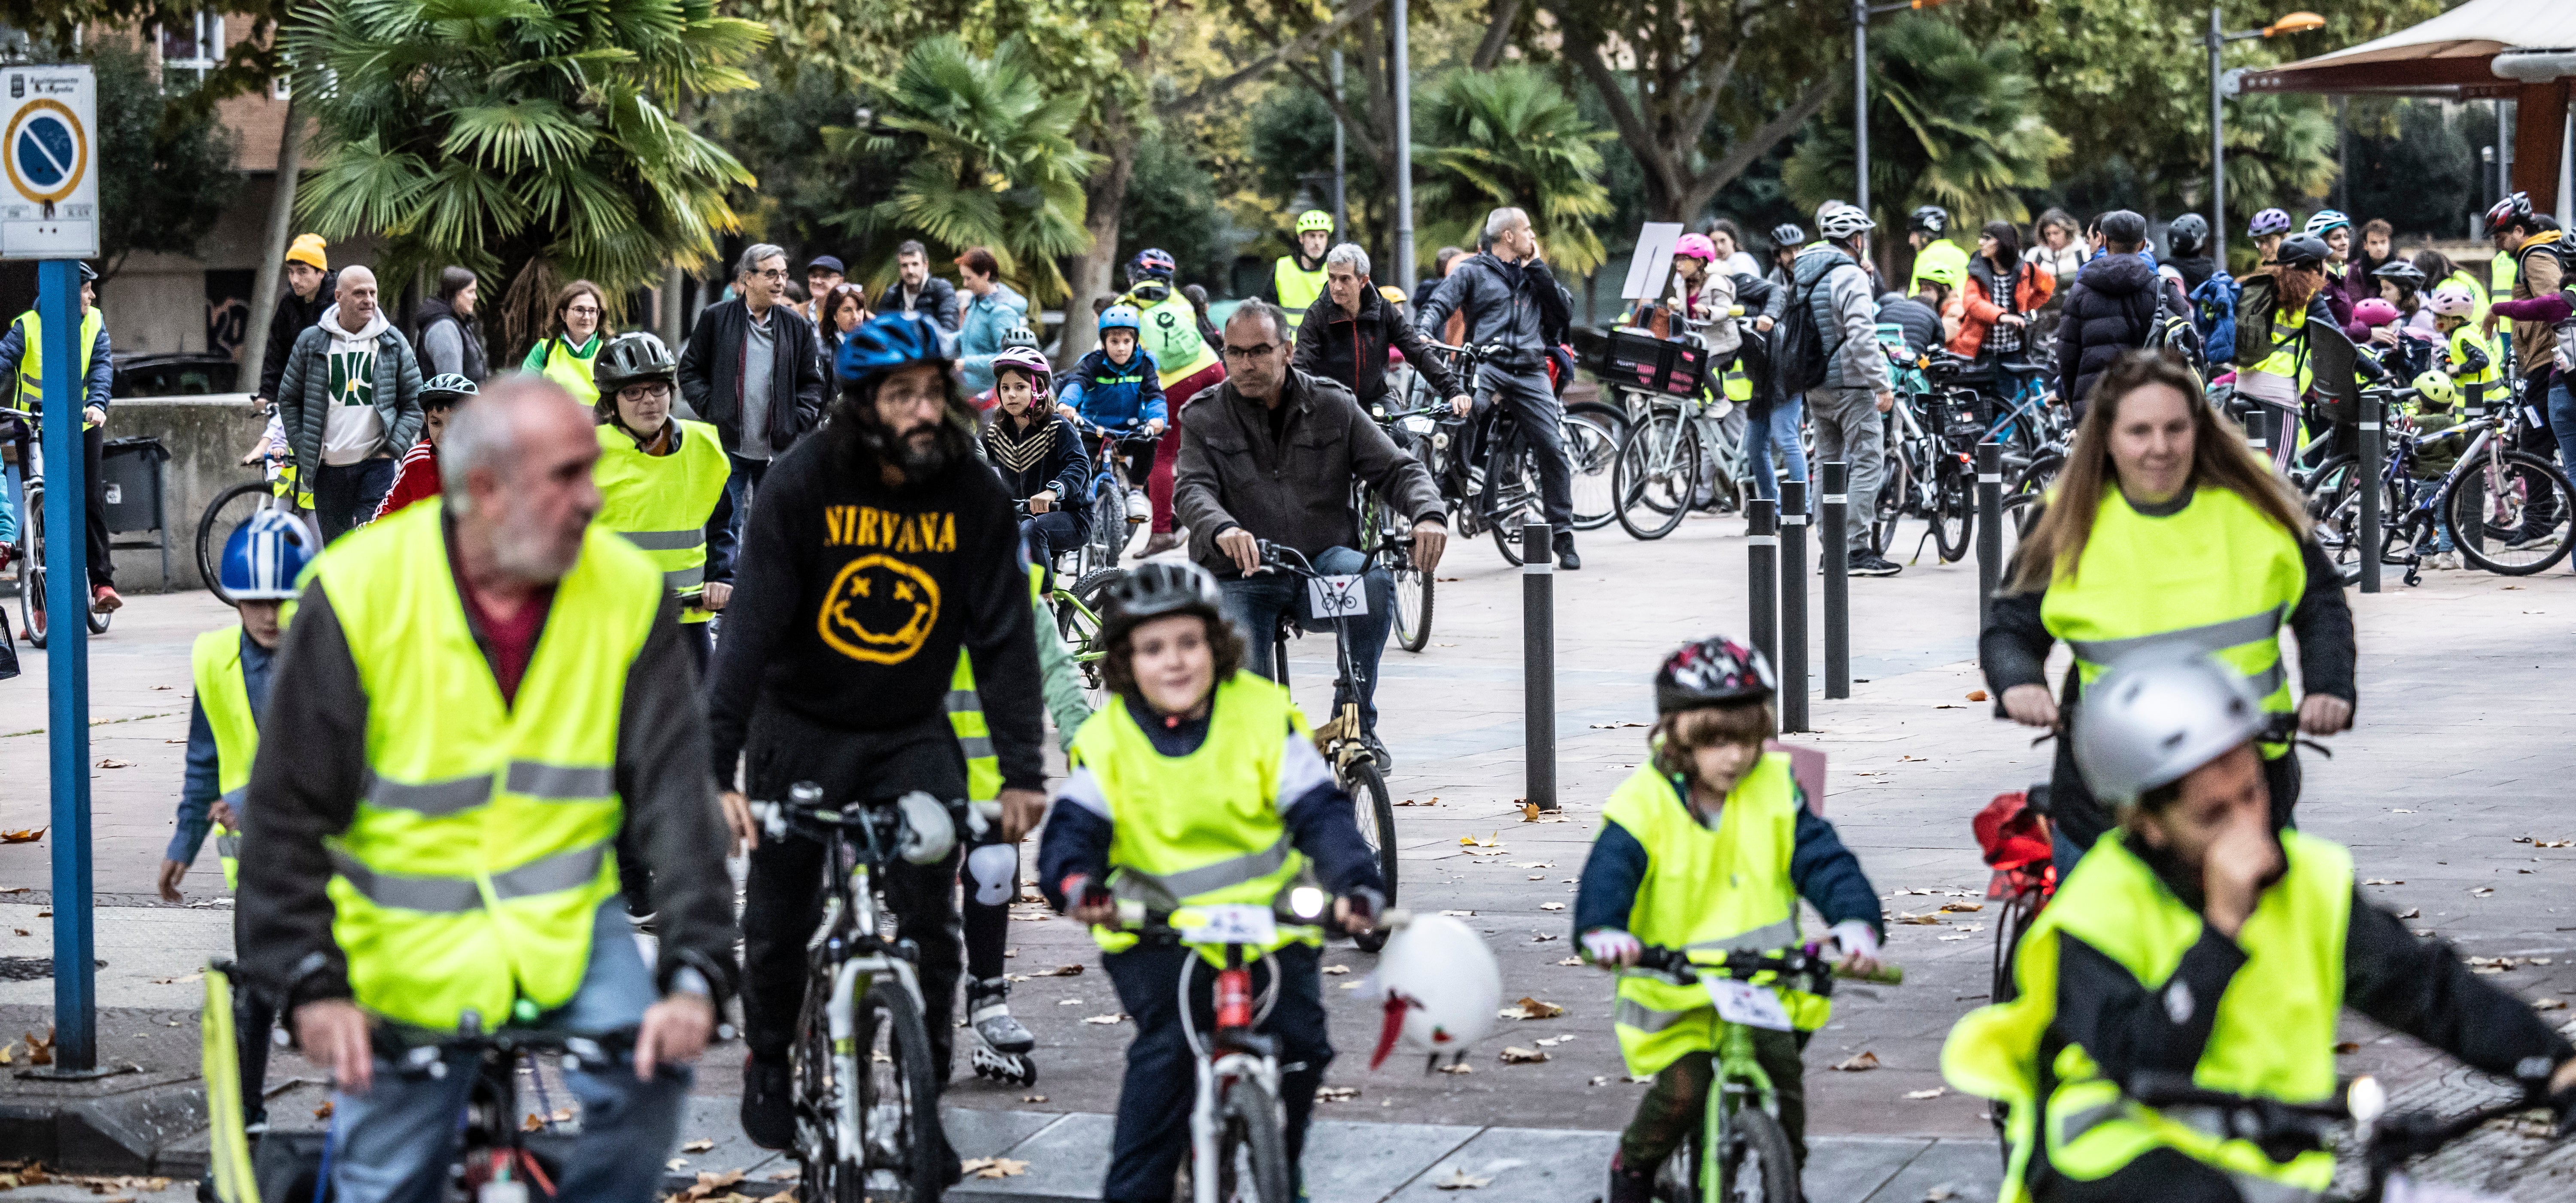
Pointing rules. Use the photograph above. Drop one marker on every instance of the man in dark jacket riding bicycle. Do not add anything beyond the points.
(1346, 335)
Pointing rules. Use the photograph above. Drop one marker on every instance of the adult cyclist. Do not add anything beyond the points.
(1297, 278)
(1355, 324)
(879, 549)
(1934, 255)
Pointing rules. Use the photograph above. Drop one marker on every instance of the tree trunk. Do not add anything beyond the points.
(1498, 34)
(1095, 273)
(272, 261)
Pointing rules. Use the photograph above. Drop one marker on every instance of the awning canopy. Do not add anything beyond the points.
(2450, 56)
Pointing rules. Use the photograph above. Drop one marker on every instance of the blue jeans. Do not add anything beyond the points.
(394, 1143)
(1255, 603)
(345, 496)
(1780, 429)
(2561, 411)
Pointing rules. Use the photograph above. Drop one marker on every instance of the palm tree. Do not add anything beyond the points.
(1951, 124)
(989, 159)
(1511, 137)
(520, 138)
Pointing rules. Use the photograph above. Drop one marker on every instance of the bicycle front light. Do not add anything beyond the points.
(1306, 902)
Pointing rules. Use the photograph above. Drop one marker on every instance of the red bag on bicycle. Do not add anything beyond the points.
(2016, 840)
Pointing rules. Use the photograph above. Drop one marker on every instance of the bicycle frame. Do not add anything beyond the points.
(1233, 1053)
(1739, 1081)
(851, 917)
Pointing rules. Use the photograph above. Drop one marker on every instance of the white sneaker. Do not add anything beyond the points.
(1139, 507)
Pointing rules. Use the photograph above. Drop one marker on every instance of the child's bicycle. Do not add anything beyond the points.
(1113, 521)
(2388, 1139)
(1741, 1152)
(1342, 741)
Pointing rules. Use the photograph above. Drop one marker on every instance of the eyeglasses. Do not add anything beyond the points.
(775, 273)
(644, 392)
(1259, 352)
(583, 311)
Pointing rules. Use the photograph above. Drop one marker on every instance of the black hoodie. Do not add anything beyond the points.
(2111, 309)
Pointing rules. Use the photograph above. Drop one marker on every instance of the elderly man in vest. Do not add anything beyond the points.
(22, 355)
(481, 695)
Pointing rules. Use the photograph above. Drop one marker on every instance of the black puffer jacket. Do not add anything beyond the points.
(1352, 349)
(2111, 309)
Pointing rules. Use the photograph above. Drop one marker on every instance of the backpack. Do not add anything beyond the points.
(1798, 348)
(2214, 303)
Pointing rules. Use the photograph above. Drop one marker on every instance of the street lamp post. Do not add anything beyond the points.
(1861, 12)
(2216, 39)
(1403, 67)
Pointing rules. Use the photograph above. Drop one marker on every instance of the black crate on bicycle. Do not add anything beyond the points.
(1634, 358)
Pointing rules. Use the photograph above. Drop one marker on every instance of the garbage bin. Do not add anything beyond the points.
(131, 468)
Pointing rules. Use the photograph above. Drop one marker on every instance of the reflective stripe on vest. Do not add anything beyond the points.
(2218, 577)
(470, 878)
(224, 696)
(31, 358)
(974, 736)
(1297, 288)
(661, 503)
(2289, 355)
(1205, 828)
(2272, 1034)
(1721, 890)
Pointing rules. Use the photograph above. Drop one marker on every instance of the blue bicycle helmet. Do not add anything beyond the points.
(1122, 317)
(1152, 263)
(264, 557)
(889, 341)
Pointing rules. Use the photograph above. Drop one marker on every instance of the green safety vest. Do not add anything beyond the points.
(1938, 253)
(1170, 325)
(661, 502)
(1297, 288)
(2273, 1035)
(2464, 338)
(225, 697)
(468, 881)
(2289, 355)
(966, 716)
(2219, 577)
(2502, 271)
(1202, 829)
(31, 360)
(1722, 890)
(561, 362)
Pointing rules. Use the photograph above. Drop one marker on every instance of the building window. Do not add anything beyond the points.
(191, 50)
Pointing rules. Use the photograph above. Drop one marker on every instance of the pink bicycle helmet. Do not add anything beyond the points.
(2374, 312)
(1031, 361)
(1697, 246)
(2454, 300)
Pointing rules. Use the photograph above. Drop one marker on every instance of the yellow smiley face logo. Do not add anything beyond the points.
(879, 610)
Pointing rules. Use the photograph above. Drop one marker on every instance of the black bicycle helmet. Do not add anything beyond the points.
(1929, 219)
(1788, 234)
(2301, 250)
(1154, 589)
(633, 359)
(2401, 271)
(1715, 671)
(2188, 234)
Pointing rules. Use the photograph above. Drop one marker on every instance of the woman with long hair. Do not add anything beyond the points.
(2166, 536)
(2439, 270)
(2002, 289)
(576, 329)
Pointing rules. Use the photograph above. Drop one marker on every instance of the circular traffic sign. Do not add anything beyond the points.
(46, 153)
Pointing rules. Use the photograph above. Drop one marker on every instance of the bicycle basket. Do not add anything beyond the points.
(1632, 358)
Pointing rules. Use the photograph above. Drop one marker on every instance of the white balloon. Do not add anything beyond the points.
(1449, 981)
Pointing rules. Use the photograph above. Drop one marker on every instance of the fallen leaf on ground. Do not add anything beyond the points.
(28, 836)
(110, 762)
(1926, 919)
(2347, 1047)
(699, 1145)
(1571, 961)
(674, 1165)
(1934, 1093)
(1858, 1062)
(44, 914)
(1459, 914)
(1033, 1098)
(1480, 841)
(1553, 1041)
(1104, 1019)
(711, 1187)
(1522, 864)
(1337, 1094)
(323, 1111)
(1336, 970)
(1459, 1179)
(993, 1167)
(1940, 1194)
(1058, 971)
(1615, 726)
(40, 1051)
(1531, 1008)
(1959, 907)
(1542, 937)
(1551, 906)
(1459, 1067)
(1976, 695)
(2382, 881)
(2423, 931)
(2413, 912)
(1600, 1080)
(2481, 891)
(15, 889)
(2549, 1004)
(1516, 1055)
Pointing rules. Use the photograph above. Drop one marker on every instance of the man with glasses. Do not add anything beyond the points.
(1511, 300)
(753, 369)
(1270, 454)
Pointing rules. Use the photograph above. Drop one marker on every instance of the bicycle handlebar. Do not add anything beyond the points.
(1803, 962)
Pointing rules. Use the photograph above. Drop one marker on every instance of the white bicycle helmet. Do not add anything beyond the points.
(1441, 986)
(1840, 224)
(2152, 719)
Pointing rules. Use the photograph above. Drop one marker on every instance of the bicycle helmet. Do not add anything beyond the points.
(1122, 317)
(1154, 589)
(89, 275)
(447, 384)
(2437, 389)
(1787, 234)
(264, 556)
(2374, 312)
(1930, 219)
(2326, 221)
(1151, 263)
(1441, 987)
(2269, 221)
(1951, 274)
(2453, 300)
(2188, 234)
(1715, 671)
(2152, 719)
(2302, 250)
(1314, 219)
(1843, 224)
(1029, 361)
(889, 341)
(1697, 246)
(633, 359)
(2403, 272)
(1021, 336)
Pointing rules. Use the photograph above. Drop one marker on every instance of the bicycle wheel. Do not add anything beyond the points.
(1079, 624)
(1108, 527)
(1511, 494)
(31, 566)
(229, 509)
(1250, 1151)
(1376, 814)
(1592, 433)
(1954, 509)
(1895, 491)
(2026, 490)
(906, 1156)
(1658, 468)
(826, 1173)
(1760, 1166)
(1413, 591)
(2511, 515)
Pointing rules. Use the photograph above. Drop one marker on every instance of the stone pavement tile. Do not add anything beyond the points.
(1067, 1160)
(154, 955)
(1971, 1169)
(709, 1117)
(979, 1133)
(1527, 1165)
(1847, 1169)
(1369, 1161)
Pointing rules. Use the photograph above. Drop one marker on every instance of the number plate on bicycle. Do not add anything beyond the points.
(1338, 596)
(1234, 924)
(1745, 1003)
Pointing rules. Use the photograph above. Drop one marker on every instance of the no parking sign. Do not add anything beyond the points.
(49, 160)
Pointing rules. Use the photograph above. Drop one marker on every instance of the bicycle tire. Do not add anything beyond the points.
(1895, 489)
(1413, 618)
(1759, 1145)
(1248, 1123)
(1376, 815)
(1082, 635)
(1108, 524)
(921, 1167)
(214, 530)
(2476, 550)
(1647, 480)
(1954, 500)
(1592, 461)
(1520, 481)
(2028, 488)
(822, 1174)
(31, 565)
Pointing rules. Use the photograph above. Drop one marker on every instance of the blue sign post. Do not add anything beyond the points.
(58, 309)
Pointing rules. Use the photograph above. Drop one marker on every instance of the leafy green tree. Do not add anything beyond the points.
(165, 166)
(1951, 123)
(771, 129)
(1171, 203)
(525, 139)
(989, 161)
(1510, 136)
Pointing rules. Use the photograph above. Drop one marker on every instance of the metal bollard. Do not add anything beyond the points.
(1793, 606)
(1538, 664)
(1837, 514)
(1762, 576)
(2373, 451)
(2258, 427)
(1990, 528)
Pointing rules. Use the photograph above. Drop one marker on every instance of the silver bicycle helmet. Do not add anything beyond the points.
(1842, 223)
(2152, 719)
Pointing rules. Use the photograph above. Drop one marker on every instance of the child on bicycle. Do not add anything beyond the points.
(1039, 456)
(1197, 784)
(1707, 846)
(1119, 387)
